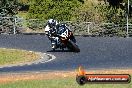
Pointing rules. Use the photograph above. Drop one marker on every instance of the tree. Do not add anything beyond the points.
(82, 1)
(88, 12)
(57, 9)
(9, 6)
(125, 1)
(23, 1)
(98, 13)
(4, 3)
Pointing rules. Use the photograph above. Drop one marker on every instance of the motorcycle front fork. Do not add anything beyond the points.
(53, 45)
(57, 44)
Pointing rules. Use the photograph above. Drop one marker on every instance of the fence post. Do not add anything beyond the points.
(88, 29)
(128, 19)
(14, 31)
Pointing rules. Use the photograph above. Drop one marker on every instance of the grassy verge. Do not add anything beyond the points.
(22, 14)
(13, 56)
(59, 83)
(56, 79)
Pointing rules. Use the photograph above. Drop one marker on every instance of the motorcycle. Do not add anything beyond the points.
(63, 39)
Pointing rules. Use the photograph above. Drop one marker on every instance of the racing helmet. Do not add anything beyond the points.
(52, 23)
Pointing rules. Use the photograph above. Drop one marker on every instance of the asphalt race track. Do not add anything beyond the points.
(96, 53)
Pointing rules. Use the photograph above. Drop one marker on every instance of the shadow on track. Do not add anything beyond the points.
(59, 51)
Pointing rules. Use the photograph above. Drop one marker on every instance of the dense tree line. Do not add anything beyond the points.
(73, 10)
(9, 7)
(57, 9)
(82, 10)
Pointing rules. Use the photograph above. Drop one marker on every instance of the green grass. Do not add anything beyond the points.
(13, 56)
(59, 83)
(22, 14)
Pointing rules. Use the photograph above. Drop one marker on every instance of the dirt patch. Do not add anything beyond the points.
(12, 77)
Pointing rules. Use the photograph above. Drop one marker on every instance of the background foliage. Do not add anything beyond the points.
(74, 10)
(57, 9)
(78, 10)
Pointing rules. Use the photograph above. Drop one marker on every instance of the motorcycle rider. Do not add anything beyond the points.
(51, 31)
(50, 28)
(54, 29)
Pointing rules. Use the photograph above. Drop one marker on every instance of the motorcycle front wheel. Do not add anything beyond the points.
(73, 46)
